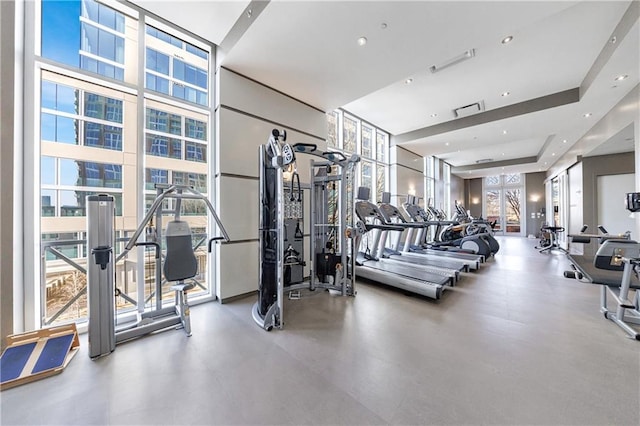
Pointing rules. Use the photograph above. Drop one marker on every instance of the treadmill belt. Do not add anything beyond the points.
(406, 271)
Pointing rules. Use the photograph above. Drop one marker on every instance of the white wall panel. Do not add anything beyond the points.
(239, 205)
(245, 95)
(407, 158)
(240, 137)
(238, 269)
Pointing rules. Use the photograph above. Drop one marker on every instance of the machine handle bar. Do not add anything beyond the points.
(150, 243)
(212, 240)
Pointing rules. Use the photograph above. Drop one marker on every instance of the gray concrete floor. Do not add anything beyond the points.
(512, 344)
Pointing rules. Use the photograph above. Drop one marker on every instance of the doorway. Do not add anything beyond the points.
(503, 203)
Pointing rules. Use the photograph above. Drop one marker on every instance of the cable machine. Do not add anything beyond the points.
(178, 264)
(281, 238)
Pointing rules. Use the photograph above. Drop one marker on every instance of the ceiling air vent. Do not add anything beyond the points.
(468, 110)
(484, 160)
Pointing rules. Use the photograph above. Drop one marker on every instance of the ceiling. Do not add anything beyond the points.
(560, 65)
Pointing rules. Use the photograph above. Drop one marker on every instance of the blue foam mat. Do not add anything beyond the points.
(54, 353)
(13, 361)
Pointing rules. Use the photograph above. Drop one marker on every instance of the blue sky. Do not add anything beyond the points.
(61, 31)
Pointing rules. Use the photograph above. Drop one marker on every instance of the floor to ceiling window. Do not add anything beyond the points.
(351, 135)
(106, 127)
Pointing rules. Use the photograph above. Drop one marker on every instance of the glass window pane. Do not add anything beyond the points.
(153, 176)
(57, 45)
(113, 138)
(381, 179)
(107, 16)
(196, 129)
(93, 106)
(47, 127)
(162, 63)
(196, 152)
(112, 175)
(119, 52)
(66, 130)
(175, 124)
(119, 22)
(492, 180)
(512, 179)
(106, 70)
(90, 10)
(332, 129)
(48, 95)
(47, 170)
(48, 202)
(178, 91)
(197, 51)
(349, 133)
(366, 177)
(381, 142)
(72, 203)
(89, 64)
(201, 78)
(114, 110)
(67, 99)
(151, 59)
(367, 136)
(202, 98)
(178, 69)
(69, 173)
(156, 120)
(89, 41)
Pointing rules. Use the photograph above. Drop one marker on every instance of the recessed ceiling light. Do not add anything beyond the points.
(553, 154)
(447, 143)
(507, 39)
(504, 132)
(362, 41)
(383, 26)
(587, 115)
(564, 141)
(613, 40)
(249, 13)
(622, 77)
(545, 163)
(408, 81)
(434, 115)
(505, 94)
(503, 154)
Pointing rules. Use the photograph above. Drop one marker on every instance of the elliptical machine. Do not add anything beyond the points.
(463, 225)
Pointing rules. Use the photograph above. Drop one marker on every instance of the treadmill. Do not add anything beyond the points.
(403, 276)
(393, 216)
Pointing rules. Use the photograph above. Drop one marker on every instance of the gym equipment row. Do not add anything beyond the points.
(178, 265)
(616, 268)
(281, 239)
(412, 264)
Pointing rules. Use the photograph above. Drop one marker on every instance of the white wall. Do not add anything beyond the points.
(246, 112)
(611, 190)
(406, 174)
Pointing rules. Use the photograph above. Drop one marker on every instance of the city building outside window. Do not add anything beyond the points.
(98, 125)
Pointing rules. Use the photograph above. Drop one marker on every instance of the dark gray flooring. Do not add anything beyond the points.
(512, 344)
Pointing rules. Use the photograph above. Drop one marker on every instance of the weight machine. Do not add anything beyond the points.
(178, 265)
(281, 238)
(617, 253)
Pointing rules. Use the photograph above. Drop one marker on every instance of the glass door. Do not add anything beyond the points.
(493, 208)
(503, 196)
(512, 206)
